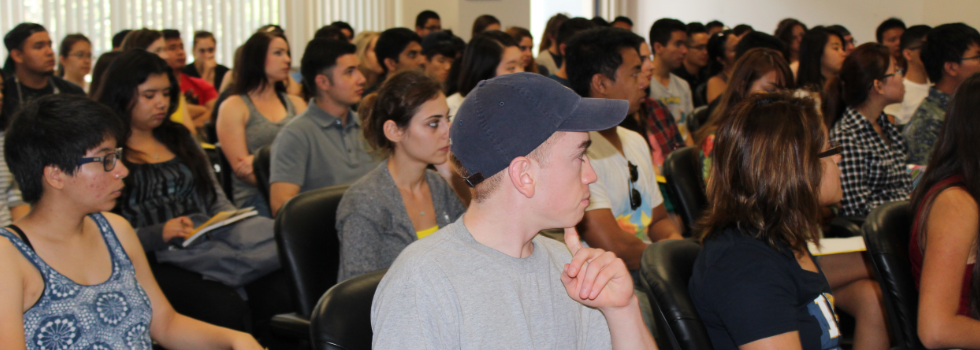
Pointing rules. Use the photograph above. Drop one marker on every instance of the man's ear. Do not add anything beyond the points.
(561, 48)
(907, 54)
(598, 85)
(520, 176)
(323, 82)
(54, 177)
(392, 131)
(17, 55)
(390, 63)
(657, 47)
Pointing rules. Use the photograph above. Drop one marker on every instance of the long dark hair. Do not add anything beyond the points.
(250, 66)
(716, 50)
(481, 58)
(119, 92)
(955, 153)
(753, 65)
(551, 30)
(398, 99)
(867, 63)
(65, 48)
(101, 65)
(810, 73)
(766, 172)
(784, 31)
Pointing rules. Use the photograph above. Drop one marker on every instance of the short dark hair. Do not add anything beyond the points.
(439, 43)
(888, 24)
(756, 39)
(742, 29)
(15, 38)
(713, 24)
(696, 27)
(662, 29)
(56, 130)
(117, 39)
(597, 51)
(840, 29)
(321, 55)
(392, 42)
(329, 32)
(481, 23)
(600, 22)
(481, 58)
(170, 34)
(914, 35)
(424, 17)
(946, 43)
(343, 25)
(140, 39)
(623, 19)
(572, 26)
(250, 67)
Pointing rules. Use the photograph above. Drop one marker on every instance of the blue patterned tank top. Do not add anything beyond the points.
(114, 314)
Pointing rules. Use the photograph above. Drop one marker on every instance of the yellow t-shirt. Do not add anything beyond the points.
(426, 232)
(178, 116)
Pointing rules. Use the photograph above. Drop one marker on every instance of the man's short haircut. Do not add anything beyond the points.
(343, 25)
(56, 130)
(662, 29)
(597, 51)
(946, 43)
(742, 29)
(424, 18)
(623, 19)
(487, 187)
(170, 34)
(571, 27)
(320, 57)
(890, 23)
(392, 42)
(117, 39)
(329, 32)
(439, 43)
(714, 24)
(914, 36)
(696, 27)
(756, 39)
(600, 22)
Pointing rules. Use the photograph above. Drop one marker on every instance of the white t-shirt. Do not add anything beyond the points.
(914, 94)
(677, 97)
(454, 101)
(612, 189)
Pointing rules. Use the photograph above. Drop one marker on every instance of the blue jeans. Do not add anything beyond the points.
(260, 205)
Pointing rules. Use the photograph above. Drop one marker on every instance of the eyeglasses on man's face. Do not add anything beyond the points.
(108, 161)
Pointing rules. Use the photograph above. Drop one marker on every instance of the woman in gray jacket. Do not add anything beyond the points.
(400, 201)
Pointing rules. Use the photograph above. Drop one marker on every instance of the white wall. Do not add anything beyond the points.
(448, 11)
(459, 15)
(542, 10)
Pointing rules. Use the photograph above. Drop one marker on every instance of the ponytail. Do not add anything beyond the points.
(373, 125)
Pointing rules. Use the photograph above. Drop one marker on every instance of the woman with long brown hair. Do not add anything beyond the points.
(943, 247)
(548, 54)
(525, 42)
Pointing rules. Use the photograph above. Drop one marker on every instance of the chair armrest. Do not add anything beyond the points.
(290, 325)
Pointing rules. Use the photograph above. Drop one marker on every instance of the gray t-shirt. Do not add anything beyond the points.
(448, 291)
(677, 97)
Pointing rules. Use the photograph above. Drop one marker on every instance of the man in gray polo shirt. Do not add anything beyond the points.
(323, 146)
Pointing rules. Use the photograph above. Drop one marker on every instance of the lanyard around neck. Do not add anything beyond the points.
(20, 95)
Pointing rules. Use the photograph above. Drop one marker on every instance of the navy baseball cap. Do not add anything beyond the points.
(509, 116)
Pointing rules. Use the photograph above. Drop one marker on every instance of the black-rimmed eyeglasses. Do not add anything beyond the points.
(108, 161)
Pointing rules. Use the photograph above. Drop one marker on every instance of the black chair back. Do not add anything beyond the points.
(225, 174)
(261, 167)
(887, 231)
(306, 235)
(685, 185)
(342, 318)
(665, 269)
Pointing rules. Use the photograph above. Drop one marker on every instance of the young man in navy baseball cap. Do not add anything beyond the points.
(488, 280)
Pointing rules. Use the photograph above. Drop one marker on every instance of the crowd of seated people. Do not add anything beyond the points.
(459, 154)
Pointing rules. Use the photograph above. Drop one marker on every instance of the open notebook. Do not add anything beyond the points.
(837, 246)
(219, 220)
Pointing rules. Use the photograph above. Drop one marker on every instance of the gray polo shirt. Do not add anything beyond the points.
(315, 150)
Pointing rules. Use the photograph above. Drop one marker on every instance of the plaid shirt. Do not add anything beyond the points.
(923, 129)
(872, 171)
(662, 133)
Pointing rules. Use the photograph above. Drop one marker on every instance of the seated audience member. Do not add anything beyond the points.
(873, 169)
(714, 27)
(322, 146)
(539, 180)
(396, 50)
(549, 51)
(950, 54)
(75, 59)
(153, 42)
(488, 55)
(721, 62)
(485, 23)
(653, 119)
(199, 94)
(754, 283)
(525, 42)
(30, 68)
(916, 80)
(753, 39)
(439, 52)
(258, 109)
(760, 70)
(943, 246)
(790, 31)
(566, 31)
(204, 66)
(398, 202)
(622, 22)
(889, 33)
(12, 205)
(345, 28)
(625, 207)
(821, 56)
(846, 35)
(330, 32)
(101, 65)
(693, 67)
(75, 276)
(427, 22)
(369, 66)
(172, 189)
(742, 29)
(669, 39)
(117, 39)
